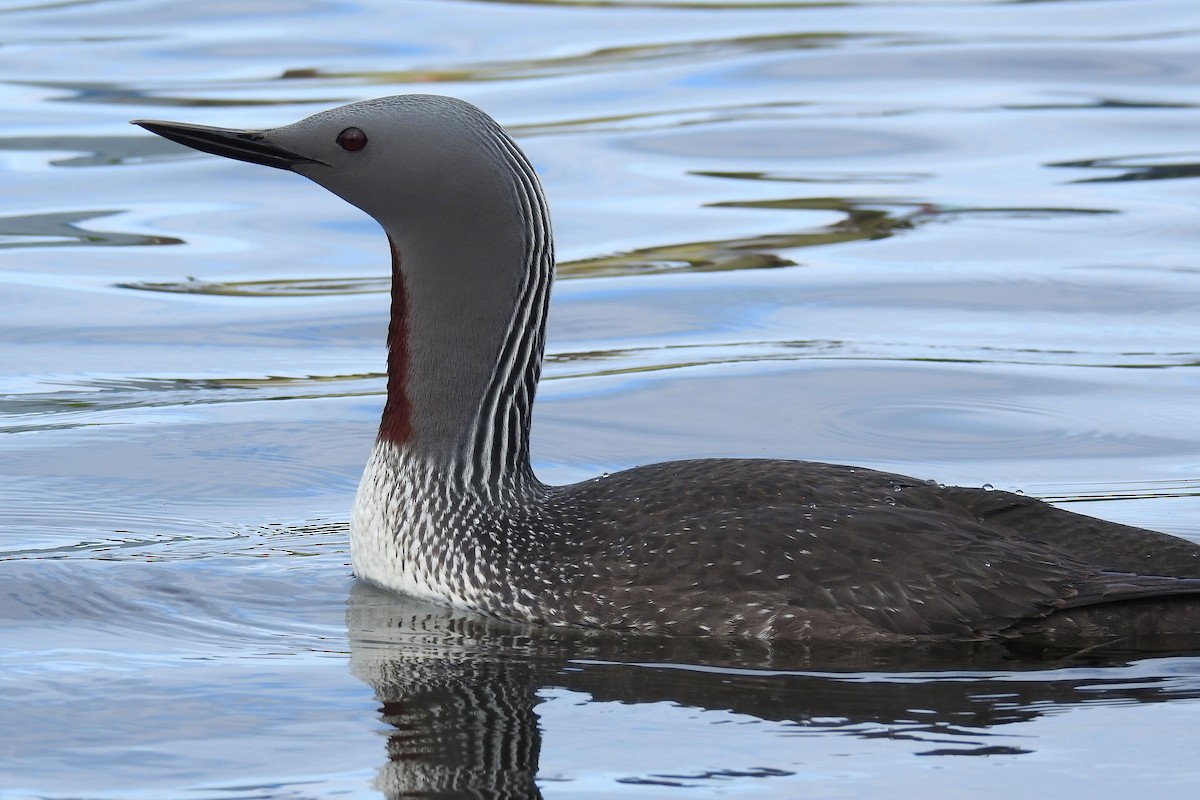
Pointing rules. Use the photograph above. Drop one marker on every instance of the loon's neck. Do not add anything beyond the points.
(466, 340)
(450, 468)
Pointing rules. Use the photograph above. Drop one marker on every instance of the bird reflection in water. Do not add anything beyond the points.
(460, 691)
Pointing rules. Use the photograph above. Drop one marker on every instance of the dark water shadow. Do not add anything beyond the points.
(1137, 168)
(278, 287)
(65, 229)
(460, 692)
(77, 403)
(588, 61)
(92, 151)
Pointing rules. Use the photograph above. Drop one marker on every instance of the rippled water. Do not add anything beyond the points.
(952, 239)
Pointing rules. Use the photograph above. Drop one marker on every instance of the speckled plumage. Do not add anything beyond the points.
(449, 509)
(760, 548)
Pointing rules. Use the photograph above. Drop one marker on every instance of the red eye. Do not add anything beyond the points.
(352, 139)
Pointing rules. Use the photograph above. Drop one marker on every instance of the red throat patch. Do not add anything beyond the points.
(396, 424)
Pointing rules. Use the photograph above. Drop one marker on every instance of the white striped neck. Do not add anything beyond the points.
(470, 292)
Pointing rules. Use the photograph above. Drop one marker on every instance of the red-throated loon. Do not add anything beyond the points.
(449, 508)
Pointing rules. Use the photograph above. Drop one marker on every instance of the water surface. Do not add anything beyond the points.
(956, 240)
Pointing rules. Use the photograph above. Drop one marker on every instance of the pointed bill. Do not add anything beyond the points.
(243, 145)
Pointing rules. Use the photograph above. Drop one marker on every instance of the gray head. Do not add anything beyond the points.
(472, 260)
(405, 160)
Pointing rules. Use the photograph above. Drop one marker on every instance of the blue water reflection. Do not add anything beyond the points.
(954, 240)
